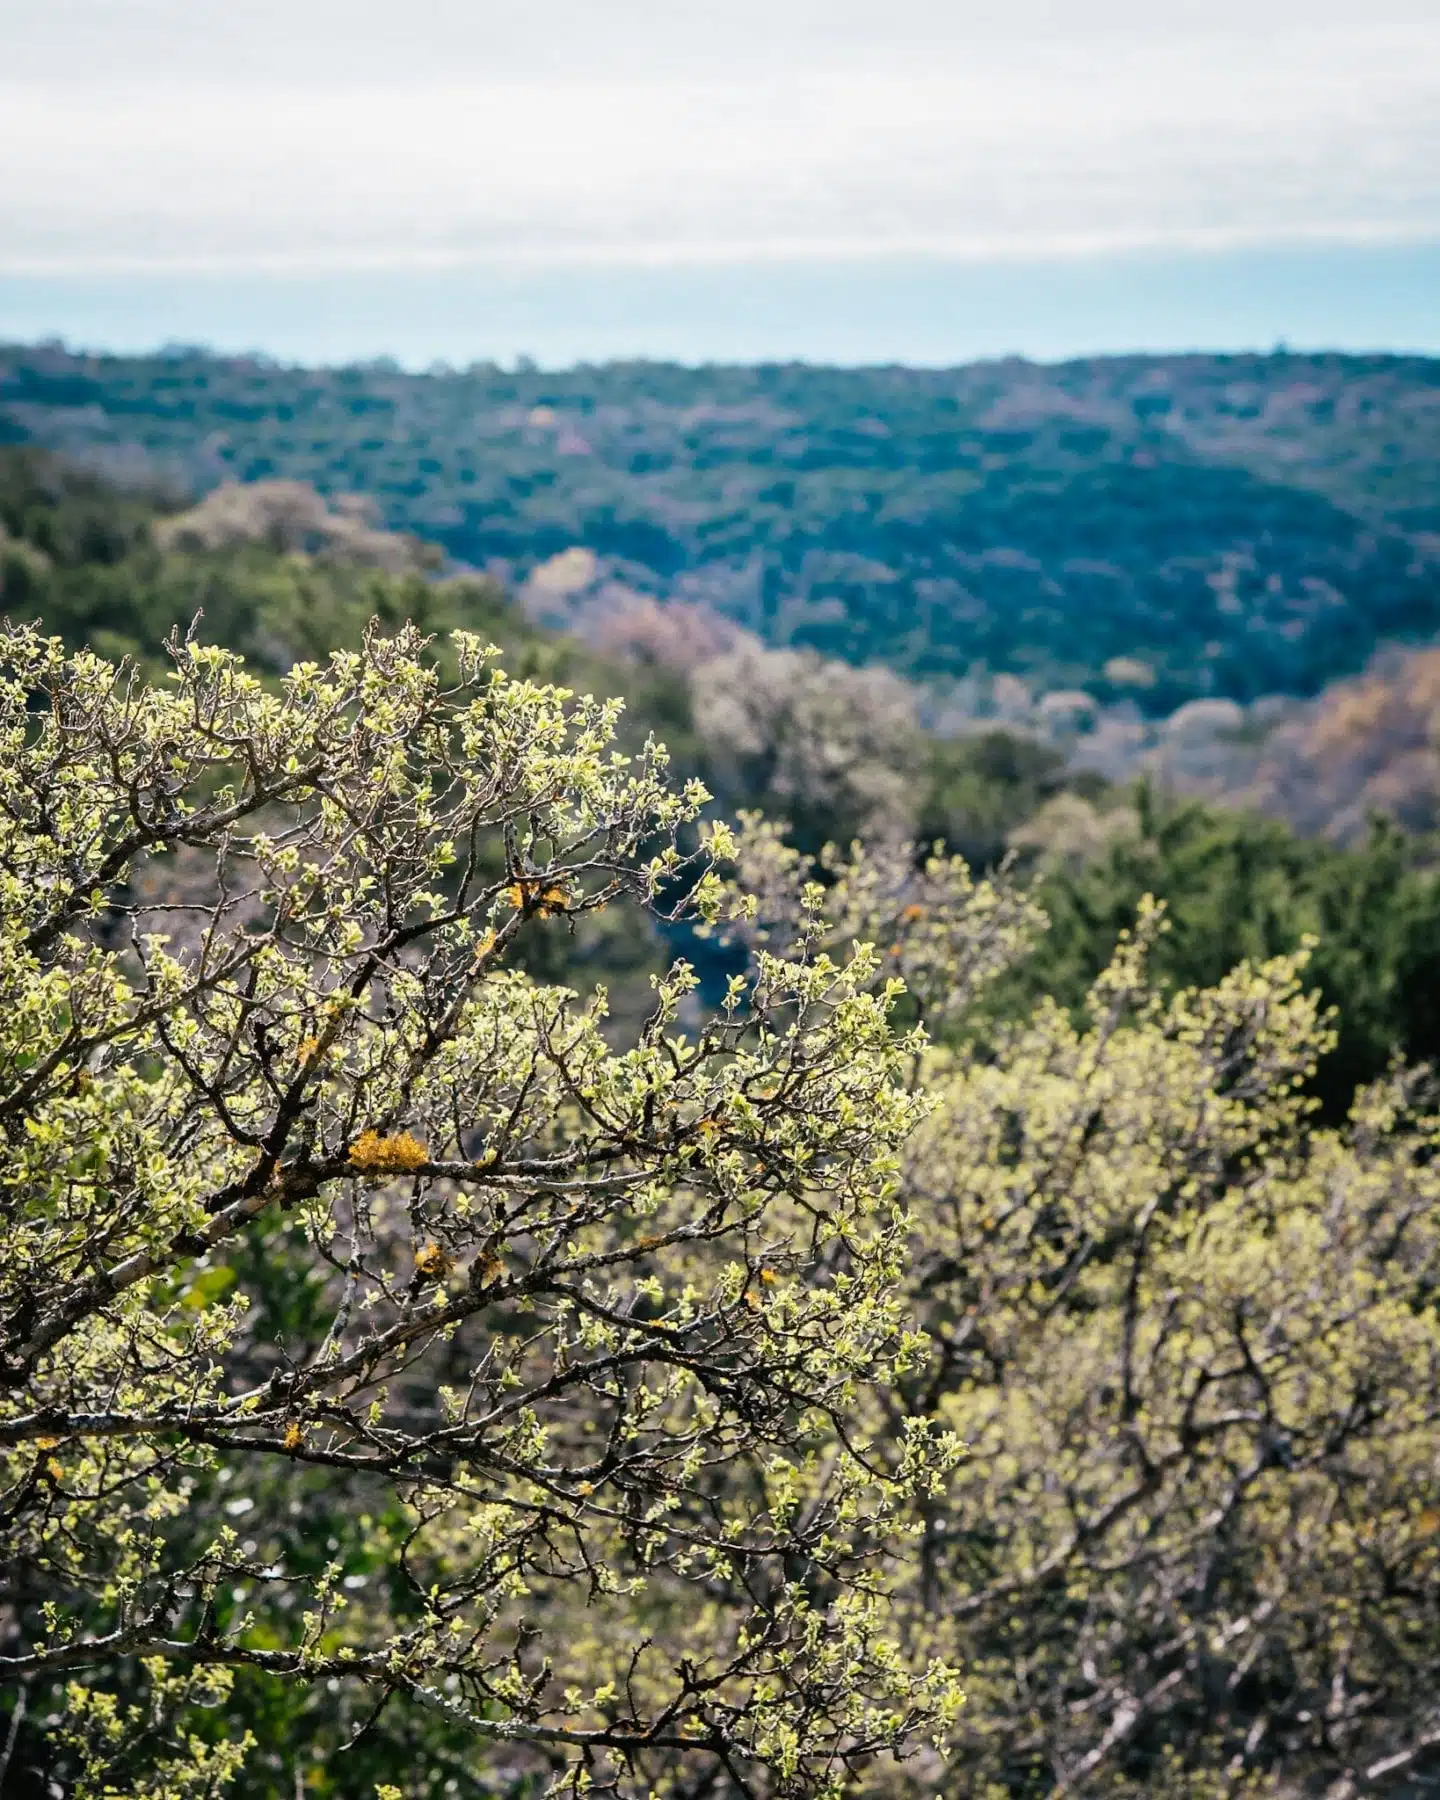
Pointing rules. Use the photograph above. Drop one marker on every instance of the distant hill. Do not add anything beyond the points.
(1151, 529)
(835, 752)
(279, 575)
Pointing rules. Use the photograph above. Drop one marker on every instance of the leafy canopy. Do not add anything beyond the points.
(1189, 1336)
(375, 1328)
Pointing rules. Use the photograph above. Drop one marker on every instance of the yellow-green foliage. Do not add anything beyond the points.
(374, 1327)
(1190, 1340)
(402, 1363)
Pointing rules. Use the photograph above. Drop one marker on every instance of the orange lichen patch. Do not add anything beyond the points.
(378, 1155)
(490, 1266)
(544, 898)
(768, 1275)
(484, 947)
(911, 913)
(432, 1262)
(294, 1438)
(306, 1050)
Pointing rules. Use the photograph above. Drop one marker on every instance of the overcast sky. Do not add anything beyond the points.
(350, 134)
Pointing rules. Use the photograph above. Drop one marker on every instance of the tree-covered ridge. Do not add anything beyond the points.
(279, 578)
(832, 751)
(1152, 527)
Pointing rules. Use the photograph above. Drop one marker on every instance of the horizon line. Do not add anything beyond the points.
(440, 369)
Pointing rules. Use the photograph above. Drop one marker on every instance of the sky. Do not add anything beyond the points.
(886, 180)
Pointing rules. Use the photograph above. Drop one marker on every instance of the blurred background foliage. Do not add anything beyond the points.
(837, 751)
(1152, 529)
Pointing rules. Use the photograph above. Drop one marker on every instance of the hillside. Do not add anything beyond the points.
(833, 751)
(1150, 529)
(278, 574)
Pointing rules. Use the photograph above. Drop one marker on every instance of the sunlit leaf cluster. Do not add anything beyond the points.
(384, 1336)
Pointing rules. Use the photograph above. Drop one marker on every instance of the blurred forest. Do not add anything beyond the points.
(1150, 530)
(839, 752)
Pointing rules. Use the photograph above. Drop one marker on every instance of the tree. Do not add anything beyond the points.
(1190, 1338)
(379, 1341)
(836, 749)
(1192, 1344)
(1238, 887)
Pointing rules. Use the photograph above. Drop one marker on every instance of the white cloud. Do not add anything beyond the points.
(315, 135)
